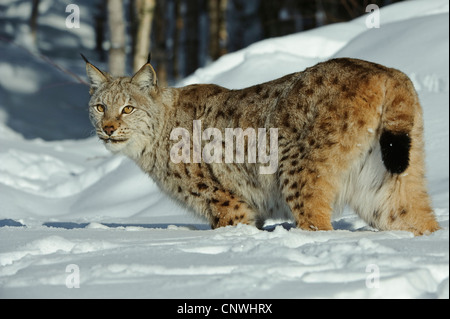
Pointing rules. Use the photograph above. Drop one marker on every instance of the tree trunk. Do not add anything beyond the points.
(217, 28)
(133, 21)
(145, 10)
(117, 57)
(223, 34)
(160, 52)
(192, 34)
(176, 43)
(100, 22)
(33, 21)
(214, 27)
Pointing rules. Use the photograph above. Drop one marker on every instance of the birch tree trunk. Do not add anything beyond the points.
(117, 57)
(145, 10)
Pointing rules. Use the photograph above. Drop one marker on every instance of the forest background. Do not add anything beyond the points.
(184, 35)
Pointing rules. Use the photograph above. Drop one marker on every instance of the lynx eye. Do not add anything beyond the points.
(100, 108)
(127, 109)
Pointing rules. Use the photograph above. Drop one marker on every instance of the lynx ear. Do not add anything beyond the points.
(145, 78)
(96, 77)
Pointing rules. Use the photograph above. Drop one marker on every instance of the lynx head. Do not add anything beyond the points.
(125, 111)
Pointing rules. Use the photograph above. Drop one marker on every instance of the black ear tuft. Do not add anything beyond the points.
(145, 78)
(84, 58)
(395, 149)
(96, 77)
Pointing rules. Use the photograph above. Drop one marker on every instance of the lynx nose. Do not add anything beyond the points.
(109, 129)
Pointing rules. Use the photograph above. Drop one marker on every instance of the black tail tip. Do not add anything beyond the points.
(395, 149)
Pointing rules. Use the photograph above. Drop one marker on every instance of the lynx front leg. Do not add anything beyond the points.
(199, 188)
(228, 210)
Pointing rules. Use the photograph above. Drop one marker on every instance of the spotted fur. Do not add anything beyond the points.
(350, 133)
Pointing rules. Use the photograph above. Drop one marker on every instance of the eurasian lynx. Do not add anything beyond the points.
(350, 132)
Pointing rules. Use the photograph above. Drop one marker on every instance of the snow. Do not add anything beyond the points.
(73, 215)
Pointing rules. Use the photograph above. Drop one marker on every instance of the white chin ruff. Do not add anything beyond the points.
(115, 147)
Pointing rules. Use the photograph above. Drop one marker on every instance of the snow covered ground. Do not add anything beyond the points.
(77, 222)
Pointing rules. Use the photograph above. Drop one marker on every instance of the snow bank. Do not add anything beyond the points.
(73, 215)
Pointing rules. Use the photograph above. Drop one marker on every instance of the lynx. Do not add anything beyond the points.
(350, 132)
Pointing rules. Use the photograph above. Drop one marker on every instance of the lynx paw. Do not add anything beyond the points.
(232, 212)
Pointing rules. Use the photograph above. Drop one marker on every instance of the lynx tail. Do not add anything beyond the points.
(396, 125)
(395, 149)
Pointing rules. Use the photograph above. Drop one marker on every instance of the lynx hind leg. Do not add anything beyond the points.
(229, 210)
(389, 201)
(403, 201)
(403, 205)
